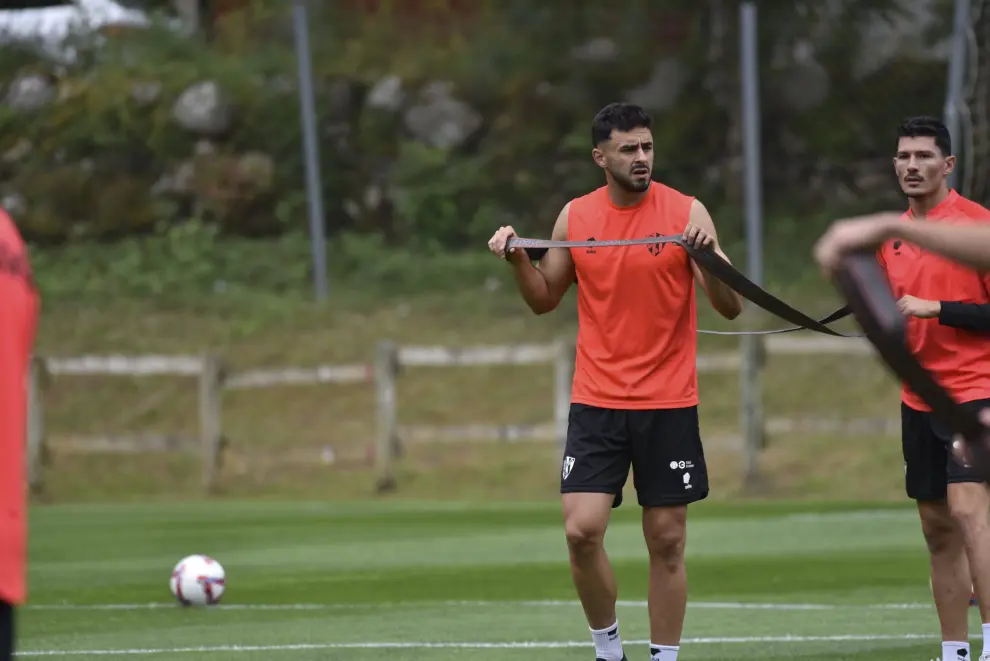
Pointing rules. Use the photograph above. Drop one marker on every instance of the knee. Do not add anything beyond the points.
(665, 540)
(584, 534)
(968, 509)
(666, 547)
(940, 531)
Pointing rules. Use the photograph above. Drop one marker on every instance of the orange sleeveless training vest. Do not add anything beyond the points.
(959, 359)
(637, 324)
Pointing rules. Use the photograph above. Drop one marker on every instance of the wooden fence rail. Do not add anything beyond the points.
(384, 374)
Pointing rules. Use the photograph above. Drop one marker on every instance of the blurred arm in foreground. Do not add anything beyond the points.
(965, 242)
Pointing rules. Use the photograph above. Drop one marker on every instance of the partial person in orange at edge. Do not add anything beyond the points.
(634, 400)
(948, 331)
(18, 320)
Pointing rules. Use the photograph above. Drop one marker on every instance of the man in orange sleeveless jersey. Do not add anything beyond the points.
(948, 330)
(19, 306)
(635, 394)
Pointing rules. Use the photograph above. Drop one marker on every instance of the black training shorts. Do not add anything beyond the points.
(663, 447)
(929, 467)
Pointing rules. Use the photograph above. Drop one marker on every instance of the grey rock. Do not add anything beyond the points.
(30, 93)
(387, 94)
(202, 108)
(598, 50)
(439, 119)
(663, 88)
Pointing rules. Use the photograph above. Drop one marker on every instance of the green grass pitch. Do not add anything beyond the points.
(409, 581)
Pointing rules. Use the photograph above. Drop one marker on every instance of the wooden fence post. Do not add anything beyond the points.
(386, 444)
(751, 410)
(35, 451)
(563, 380)
(210, 420)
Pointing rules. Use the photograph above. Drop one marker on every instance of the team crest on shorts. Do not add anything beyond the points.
(566, 469)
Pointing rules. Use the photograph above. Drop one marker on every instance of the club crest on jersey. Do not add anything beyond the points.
(655, 248)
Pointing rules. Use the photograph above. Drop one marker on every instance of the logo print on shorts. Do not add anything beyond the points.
(568, 465)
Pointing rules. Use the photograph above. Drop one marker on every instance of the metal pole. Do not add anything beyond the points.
(307, 108)
(751, 141)
(751, 416)
(953, 95)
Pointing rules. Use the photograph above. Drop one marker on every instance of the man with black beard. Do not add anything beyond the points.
(634, 400)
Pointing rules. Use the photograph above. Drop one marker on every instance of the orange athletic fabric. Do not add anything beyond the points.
(637, 325)
(958, 359)
(18, 320)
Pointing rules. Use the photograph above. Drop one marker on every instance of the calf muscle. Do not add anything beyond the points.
(949, 569)
(968, 504)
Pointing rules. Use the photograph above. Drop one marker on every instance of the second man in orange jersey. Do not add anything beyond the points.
(948, 330)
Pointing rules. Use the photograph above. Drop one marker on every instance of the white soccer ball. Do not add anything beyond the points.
(198, 580)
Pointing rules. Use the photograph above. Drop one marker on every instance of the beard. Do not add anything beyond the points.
(627, 183)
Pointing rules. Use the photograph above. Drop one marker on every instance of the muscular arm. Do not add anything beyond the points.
(543, 285)
(722, 297)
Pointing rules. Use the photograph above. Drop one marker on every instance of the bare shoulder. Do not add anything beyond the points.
(556, 264)
(700, 216)
(560, 226)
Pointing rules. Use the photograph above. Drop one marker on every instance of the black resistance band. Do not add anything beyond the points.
(718, 267)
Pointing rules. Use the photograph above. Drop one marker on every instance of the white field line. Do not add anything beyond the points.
(857, 515)
(467, 645)
(718, 605)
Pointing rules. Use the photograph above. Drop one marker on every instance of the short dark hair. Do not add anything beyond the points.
(927, 127)
(619, 117)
